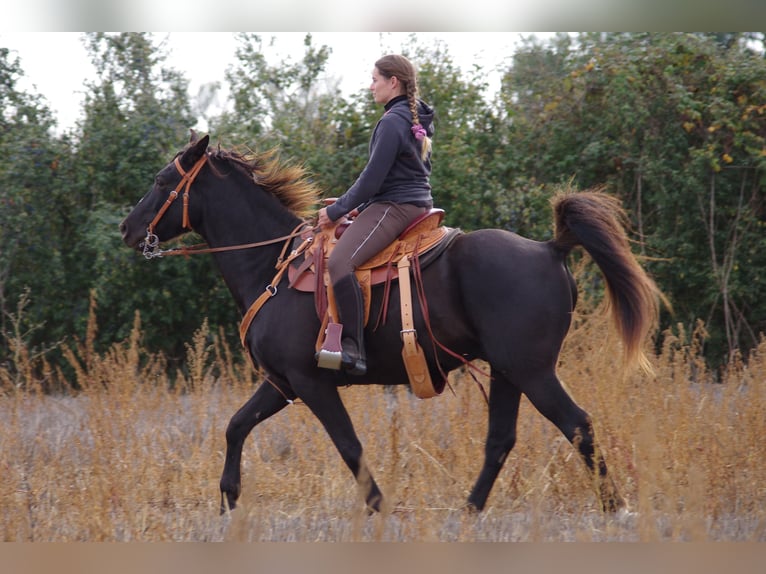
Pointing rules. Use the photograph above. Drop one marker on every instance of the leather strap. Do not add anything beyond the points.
(271, 290)
(412, 353)
(187, 177)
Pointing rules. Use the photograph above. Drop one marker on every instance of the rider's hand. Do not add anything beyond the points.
(322, 219)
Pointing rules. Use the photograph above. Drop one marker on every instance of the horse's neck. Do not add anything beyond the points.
(248, 271)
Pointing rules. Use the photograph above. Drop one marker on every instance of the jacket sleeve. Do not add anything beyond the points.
(384, 149)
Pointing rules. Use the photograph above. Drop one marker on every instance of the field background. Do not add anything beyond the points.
(132, 456)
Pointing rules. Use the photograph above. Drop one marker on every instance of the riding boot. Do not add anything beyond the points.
(350, 304)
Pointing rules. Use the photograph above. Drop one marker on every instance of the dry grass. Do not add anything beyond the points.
(132, 457)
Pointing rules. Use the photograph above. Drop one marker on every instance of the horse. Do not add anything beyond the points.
(492, 295)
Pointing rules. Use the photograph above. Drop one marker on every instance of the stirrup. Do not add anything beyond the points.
(330, 356)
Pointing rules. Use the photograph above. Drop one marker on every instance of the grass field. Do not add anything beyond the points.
(131, 457)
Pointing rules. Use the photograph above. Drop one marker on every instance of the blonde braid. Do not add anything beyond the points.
(399, 66)
(412, 92)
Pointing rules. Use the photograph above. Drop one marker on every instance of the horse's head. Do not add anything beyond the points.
(158, 217)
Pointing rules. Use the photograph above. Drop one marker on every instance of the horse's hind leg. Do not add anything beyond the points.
(504, 401)
(266, 401)
(325, 402)
(550, 398)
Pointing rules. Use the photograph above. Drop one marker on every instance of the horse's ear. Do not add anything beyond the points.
(193, 137)
(196, 148)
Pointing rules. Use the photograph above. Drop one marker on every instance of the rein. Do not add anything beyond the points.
(421, 293)
(151, 243)
(202, 248)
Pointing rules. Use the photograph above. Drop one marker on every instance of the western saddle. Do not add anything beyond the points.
(419, 244)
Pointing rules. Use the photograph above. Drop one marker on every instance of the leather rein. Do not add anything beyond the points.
(151, 243)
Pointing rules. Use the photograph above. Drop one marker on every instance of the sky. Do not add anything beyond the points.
(55, 64)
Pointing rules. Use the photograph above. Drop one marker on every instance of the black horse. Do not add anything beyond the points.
(492, 295)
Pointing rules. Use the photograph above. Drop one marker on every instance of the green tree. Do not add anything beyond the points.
(293, 106)
(136, 117)
(672, 124)
(464, 141)
(32, 264)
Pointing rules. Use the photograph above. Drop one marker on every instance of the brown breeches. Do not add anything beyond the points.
(372, 230)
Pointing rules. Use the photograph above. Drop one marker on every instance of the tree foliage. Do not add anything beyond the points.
(136, 116)
(673, 124)
(32, 187)
(295, 107)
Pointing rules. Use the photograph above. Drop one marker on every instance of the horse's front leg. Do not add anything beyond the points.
(324, 401)
(266, 401)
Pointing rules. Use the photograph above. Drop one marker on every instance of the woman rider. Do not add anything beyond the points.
(391, 192)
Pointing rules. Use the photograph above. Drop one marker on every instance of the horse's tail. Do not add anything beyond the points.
(597, 222)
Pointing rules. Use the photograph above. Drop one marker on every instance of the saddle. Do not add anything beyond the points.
(423, 235)
(419, 244)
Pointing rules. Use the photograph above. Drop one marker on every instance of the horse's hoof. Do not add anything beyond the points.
(374, 505)
(228, 503)
(624, 514)
(471, 508)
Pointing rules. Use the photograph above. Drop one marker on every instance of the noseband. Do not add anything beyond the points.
(187, 177)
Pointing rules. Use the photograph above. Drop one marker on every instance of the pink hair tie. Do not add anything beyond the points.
(418, 131)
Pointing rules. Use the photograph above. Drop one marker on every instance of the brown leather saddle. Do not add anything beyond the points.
(423, 237)
(417, 246)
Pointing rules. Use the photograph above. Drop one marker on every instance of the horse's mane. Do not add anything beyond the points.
(288, 182)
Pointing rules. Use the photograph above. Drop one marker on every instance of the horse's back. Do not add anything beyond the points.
(507, 260)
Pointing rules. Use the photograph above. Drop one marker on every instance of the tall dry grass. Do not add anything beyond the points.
(133, 456)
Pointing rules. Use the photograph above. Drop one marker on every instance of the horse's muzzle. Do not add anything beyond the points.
(134, 241)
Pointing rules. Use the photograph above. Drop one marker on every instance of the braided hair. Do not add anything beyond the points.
(404, 70)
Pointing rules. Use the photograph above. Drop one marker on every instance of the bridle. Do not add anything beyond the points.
(151, 242)
(187, 177)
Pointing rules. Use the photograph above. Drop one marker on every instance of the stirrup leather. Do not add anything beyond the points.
(412, 353)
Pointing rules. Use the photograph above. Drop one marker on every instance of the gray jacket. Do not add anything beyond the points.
(394, 171)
